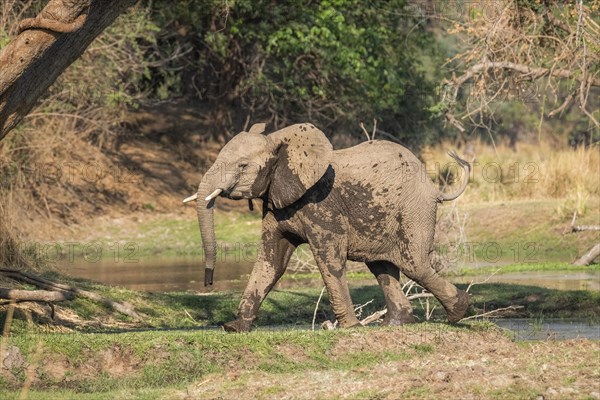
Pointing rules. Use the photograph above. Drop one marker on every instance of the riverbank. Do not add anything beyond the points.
(512, 232)
(178, 350)
(283, 307)
(474, 360)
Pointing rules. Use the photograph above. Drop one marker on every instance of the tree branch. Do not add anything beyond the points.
(581, 228)
(493, 312)
(523, 69)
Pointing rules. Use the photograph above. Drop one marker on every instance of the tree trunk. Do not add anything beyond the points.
(45, 47)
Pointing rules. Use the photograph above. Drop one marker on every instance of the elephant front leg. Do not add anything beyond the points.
(399, 309)
(332, 265)
(271, 263)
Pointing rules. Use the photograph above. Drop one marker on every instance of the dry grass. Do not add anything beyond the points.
(11, 254)
(528, 172)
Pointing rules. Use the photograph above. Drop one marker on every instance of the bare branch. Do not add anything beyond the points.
(124, 308)
(316, 308)
(507, 51)
(453, 121)
(493, 312)
(473, 283)
(362, 125)
(581, 228)
(374, 129)
(562, 107)
(530, 72)
(373, 317)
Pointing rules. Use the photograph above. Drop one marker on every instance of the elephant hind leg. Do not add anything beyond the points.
(399, 309)
(417, 266)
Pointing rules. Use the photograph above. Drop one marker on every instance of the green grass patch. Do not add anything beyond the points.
(530, 267)
(537, 301)
(525, 231)
(166, 236)
(151, 360)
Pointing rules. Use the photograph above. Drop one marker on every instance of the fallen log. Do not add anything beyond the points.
(35, 295)
(123, 308)
(589, 257)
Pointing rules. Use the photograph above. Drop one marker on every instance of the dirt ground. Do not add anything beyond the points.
(69, 182)
(453, 367)
(428, 363)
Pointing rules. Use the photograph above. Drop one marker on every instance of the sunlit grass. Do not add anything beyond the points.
(531, 171)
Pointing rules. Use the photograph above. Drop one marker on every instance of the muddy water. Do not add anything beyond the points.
(187, 274)
(167, 275)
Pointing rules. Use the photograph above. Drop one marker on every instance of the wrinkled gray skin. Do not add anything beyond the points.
(372, 203)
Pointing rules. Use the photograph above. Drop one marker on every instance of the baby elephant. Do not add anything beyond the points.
(372, 203)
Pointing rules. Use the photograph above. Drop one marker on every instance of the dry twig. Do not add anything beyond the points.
(317, 307)
(493, 312)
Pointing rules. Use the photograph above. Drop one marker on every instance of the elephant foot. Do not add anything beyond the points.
(351, 323)
(357, 325)
(460, 308)
(398, 318)
(237, 326)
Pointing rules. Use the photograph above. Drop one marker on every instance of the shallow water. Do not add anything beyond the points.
(167, 275)
(187, 274)
(532, 329)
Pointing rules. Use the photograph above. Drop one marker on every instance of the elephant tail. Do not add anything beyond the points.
(467, 168)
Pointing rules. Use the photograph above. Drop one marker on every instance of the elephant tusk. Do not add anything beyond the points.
(214, 194)
(192, 197)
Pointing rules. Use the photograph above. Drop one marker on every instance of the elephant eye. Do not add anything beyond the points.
(243, 165)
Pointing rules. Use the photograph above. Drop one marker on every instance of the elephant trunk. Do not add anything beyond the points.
(204, 209)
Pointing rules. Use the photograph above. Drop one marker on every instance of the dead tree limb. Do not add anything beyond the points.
(45, 47)
(530, 72)
(123, 308)
(581, 228)
(589, 257)
(373, 317)
(378, 314)
(494, 312)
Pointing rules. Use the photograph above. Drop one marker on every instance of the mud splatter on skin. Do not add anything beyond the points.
(263, 178)
(290, 187)
(399, 309)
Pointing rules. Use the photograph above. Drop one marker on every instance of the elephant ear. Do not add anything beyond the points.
(303, 154)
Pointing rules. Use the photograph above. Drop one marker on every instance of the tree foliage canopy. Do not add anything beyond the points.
(333, 62)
